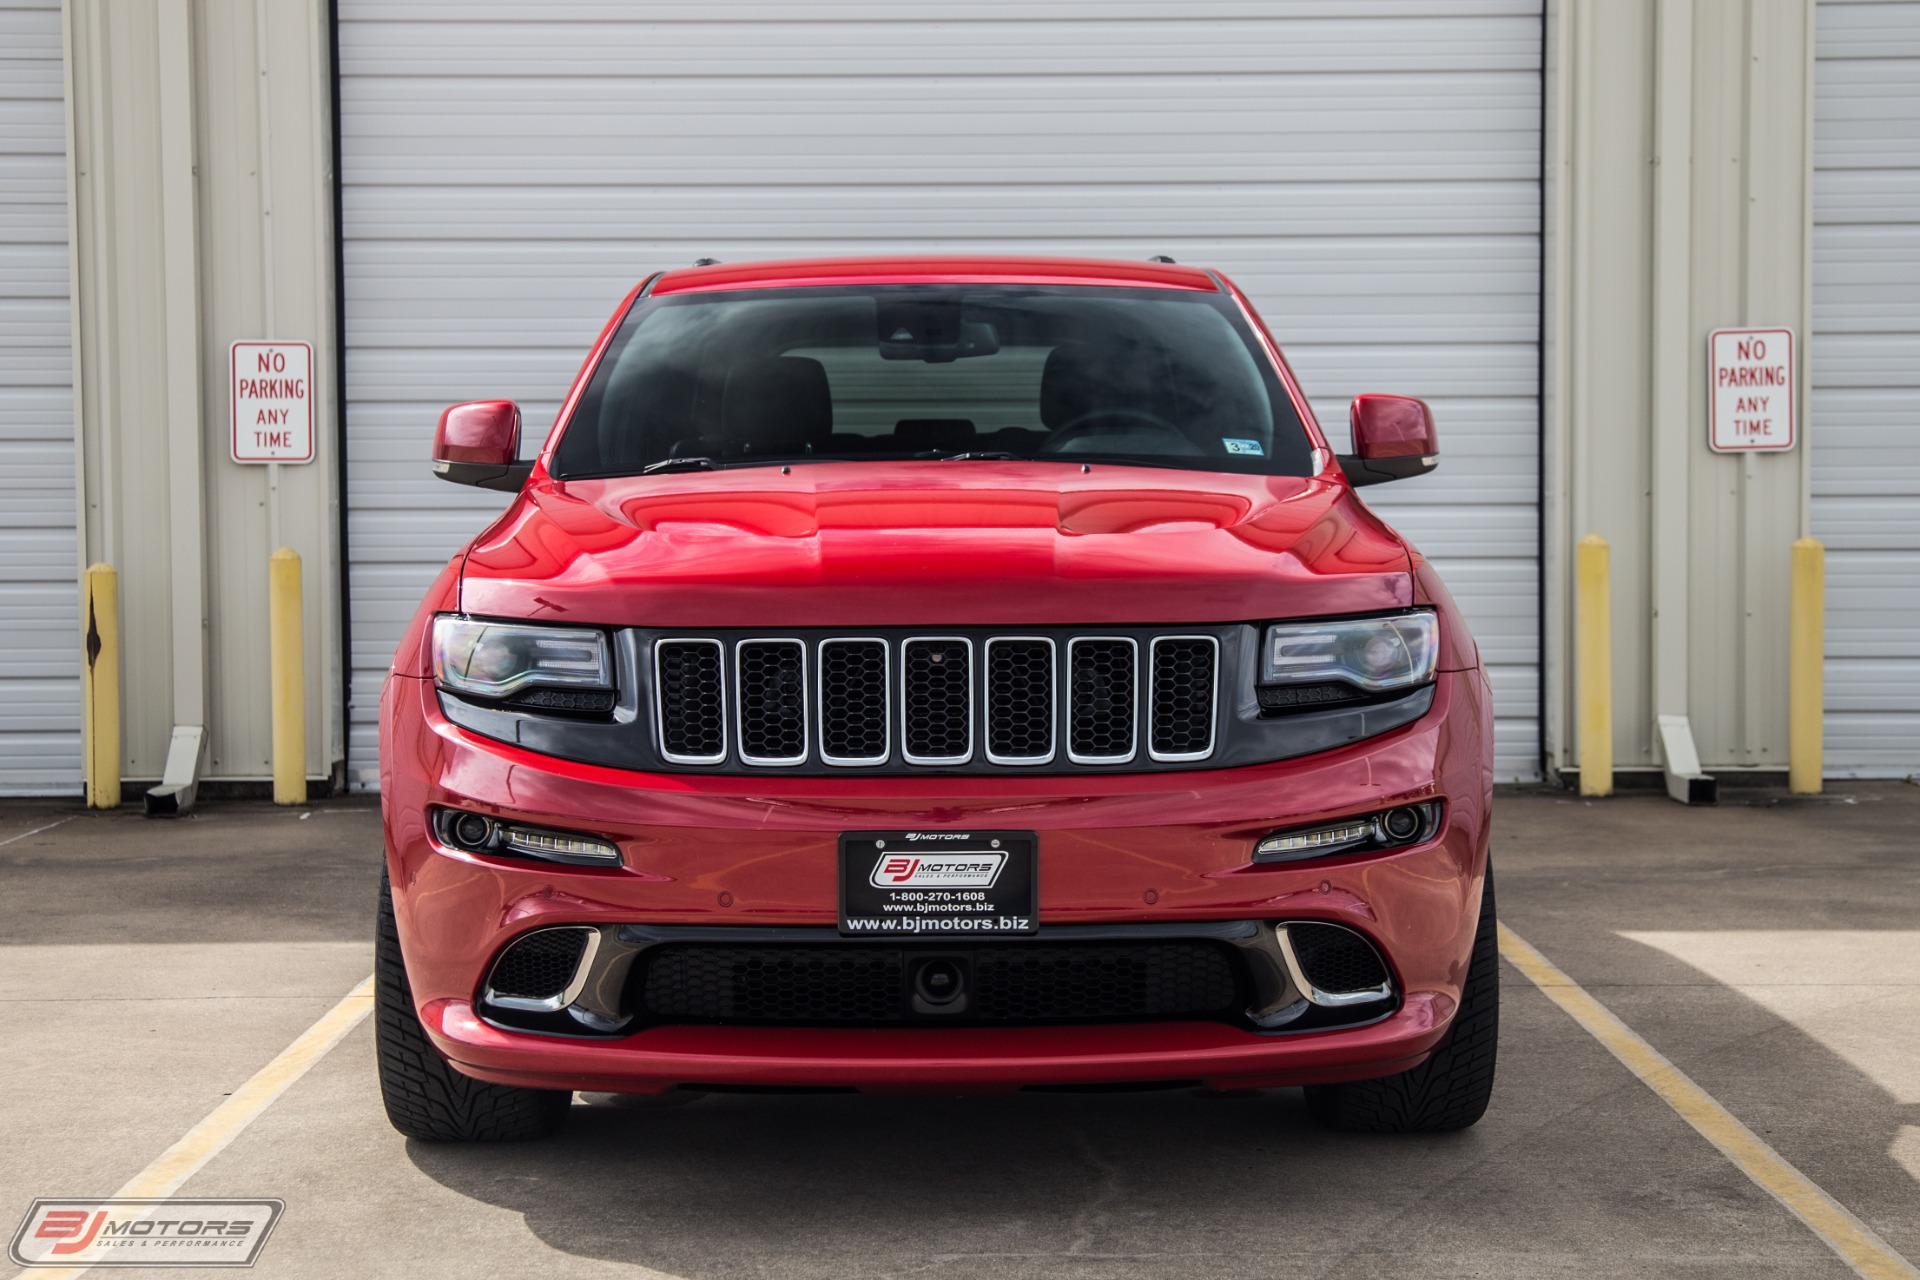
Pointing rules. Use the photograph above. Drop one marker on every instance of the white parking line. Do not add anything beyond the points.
(1856, 1243)
(36, 831)
(226, 1122)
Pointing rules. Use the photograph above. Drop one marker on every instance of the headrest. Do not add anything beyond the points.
(1080, 378)
(920, 434)
(776, 406)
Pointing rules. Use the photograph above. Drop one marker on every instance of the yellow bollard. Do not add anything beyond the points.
(1593, 665)
(100, 686)
(289, 678)
(1806, 677)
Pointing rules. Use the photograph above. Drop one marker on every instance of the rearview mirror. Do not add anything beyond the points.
(479, 444)
(1393, 438)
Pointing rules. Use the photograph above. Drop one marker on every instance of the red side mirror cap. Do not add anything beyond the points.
(479, 444)
(1393, 437)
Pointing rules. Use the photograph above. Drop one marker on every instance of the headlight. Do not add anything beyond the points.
(497, 659)
(1372, 654)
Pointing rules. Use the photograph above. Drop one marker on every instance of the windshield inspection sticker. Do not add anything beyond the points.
(1245, 446)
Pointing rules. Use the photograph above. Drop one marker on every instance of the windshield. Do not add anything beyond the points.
(1156, 377)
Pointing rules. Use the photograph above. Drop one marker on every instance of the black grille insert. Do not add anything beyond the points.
(1044, 700)
(1059, 984)
(1336, 960)
(1182, 707)
(864, 983)
(853, 701)
(772, 691)
(1100, 699)
(586, 701)
(538, 966)
(692, 701)
(1020, 700)
(937, 686)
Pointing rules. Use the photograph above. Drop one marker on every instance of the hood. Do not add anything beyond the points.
(969, 543)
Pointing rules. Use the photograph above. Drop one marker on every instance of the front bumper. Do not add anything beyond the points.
(971, 1060)
(713, 851)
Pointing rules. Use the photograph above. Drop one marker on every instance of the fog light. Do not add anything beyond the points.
(471, 831)
(1406, 824)
(478, 833)
(1400, 824)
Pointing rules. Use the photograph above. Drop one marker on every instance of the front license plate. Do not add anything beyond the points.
(938, 883)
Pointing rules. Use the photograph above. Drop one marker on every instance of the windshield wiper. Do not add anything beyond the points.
(989, 455)
(679, 464)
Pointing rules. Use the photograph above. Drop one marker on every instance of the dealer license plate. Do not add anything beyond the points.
(938, 883)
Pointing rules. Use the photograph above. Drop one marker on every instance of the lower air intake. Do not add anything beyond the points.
(538, 966)
(863, 984)
(1338, 961)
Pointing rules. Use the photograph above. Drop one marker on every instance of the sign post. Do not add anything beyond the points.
(1752, 374)
(272, 398)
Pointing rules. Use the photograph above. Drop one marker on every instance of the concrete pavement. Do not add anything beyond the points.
(1766, 946)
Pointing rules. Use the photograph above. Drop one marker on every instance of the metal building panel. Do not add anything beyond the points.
(1368, 173)
(1865, 380)
(40, 659)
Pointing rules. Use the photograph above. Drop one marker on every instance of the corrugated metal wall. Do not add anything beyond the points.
(1368, 171)
(1865, 412)
(40, 659)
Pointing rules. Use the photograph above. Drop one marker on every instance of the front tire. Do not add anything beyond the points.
(1450, 1089)
(425, 1098)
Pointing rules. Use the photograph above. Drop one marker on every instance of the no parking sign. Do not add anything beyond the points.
(272, 401)
(1752, 406)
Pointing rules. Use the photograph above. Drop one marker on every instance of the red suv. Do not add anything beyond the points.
(939, 674)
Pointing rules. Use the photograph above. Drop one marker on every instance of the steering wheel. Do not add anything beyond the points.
(1095, 423)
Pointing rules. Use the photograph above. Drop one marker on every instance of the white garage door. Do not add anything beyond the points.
(1369, 172)
(1865, 412)
(39, 660)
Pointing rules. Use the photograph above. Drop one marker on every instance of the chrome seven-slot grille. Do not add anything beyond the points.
(936, 700)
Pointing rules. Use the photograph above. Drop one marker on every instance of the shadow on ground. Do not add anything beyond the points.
(1577, 1170)
(1146, 1183)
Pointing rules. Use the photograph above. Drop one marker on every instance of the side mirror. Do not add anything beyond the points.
(479, 444)
(1393, 438)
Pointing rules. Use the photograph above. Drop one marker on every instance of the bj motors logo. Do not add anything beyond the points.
(937, 870)
(144, 1233)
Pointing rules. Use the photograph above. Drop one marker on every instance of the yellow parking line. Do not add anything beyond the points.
(1856, 1243)
(225, 1122)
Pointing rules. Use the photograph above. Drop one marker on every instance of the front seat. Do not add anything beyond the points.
(1108, 398)
(1081, 379)
(777, 407)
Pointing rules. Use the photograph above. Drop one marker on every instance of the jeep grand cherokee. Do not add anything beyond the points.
(935, 674)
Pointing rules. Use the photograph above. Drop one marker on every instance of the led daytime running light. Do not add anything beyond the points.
(547, 844)
(1372, 831)
(1322, 840)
